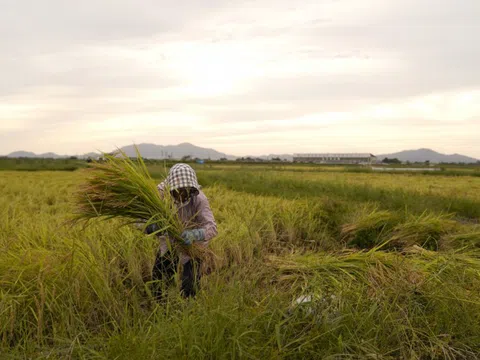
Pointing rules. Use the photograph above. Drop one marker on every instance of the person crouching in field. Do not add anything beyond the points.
(195, 213)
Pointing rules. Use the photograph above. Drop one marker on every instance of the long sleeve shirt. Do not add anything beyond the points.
(195, 214)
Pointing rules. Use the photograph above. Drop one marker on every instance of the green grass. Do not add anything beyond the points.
(397, 197)
(31, 164)
(376, 290)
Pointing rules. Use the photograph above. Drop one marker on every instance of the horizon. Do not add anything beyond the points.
(235, 155)
(243, 78)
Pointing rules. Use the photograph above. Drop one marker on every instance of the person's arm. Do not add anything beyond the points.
(205, 217)
(206, 220)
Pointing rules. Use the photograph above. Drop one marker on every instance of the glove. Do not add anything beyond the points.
(189, 236)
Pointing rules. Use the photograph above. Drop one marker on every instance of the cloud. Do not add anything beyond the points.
(250, 76)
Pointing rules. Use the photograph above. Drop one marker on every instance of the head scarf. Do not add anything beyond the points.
(182, 176)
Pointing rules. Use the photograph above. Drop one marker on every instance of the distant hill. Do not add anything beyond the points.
(91, 155)
(149, 151)
(422, 155)
(48, 155)
(51, 155)
(18, 154)
(152, 151)
(288, 157)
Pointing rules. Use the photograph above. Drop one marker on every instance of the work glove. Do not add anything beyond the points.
(189, 236)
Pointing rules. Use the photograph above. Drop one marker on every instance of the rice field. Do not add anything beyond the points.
(309, 263)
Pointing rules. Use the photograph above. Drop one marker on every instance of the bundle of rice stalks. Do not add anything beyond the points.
(447, 264)
(368, 227)
(461, 240)
(353, 264)
(120, 187)
(361, 265)
(424, 230)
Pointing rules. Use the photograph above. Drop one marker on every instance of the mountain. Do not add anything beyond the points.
(18, 154)
(48, 155)
(149, 151)
(152, 151)
(422, 155)
(91, 155)
(51, 155)
(288, 157)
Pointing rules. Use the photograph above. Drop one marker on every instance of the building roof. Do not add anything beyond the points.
(336, 155)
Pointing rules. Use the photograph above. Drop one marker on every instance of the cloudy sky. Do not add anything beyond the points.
(243, 77)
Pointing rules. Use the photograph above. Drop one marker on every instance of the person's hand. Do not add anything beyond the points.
(189, 236)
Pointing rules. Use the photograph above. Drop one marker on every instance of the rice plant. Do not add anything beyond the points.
(368, 227)
(425, 230)
(285, 286)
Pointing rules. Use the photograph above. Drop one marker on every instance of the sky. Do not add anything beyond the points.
(243, 77)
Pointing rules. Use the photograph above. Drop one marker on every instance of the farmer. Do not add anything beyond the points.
(197, 217)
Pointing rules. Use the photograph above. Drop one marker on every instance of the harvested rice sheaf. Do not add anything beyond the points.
(415, 260)
(424, 230)
(368, 227)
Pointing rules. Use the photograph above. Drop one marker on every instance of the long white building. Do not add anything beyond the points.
(335, 158)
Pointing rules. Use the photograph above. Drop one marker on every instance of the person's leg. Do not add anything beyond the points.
(162, 274)
(190, 278)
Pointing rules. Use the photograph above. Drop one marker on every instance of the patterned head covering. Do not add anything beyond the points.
(182, 176)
